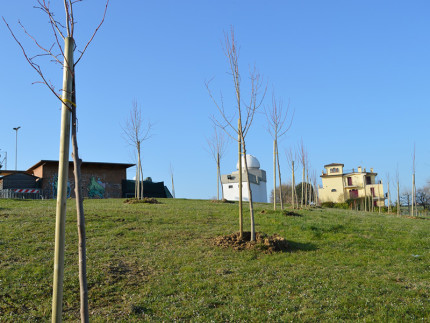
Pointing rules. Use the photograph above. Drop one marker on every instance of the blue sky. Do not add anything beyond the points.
(355, 72)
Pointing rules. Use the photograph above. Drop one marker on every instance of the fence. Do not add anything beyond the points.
(31, 194)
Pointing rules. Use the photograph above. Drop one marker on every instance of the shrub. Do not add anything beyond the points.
(328, 204)
(344, 206)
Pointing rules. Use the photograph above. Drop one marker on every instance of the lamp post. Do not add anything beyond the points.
(16, 146)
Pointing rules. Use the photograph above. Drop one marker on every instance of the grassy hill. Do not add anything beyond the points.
(159, 262)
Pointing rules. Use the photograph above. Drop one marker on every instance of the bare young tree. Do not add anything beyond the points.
(217, 146)
(135, 132)
(398, 190)
(291, 157)
(388, 193)
(173, 184)
(414, 189)
(315, 190)
(245, 114)
(63, 54)
(277, 119)
(303, 156)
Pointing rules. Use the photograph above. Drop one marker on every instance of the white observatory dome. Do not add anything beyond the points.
(251, 161)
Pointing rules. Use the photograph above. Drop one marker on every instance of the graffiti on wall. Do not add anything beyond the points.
(96, 188)
(54, 185)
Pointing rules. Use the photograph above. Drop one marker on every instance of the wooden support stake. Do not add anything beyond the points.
(63, 168)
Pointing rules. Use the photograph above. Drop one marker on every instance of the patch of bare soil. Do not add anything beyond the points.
(221, 201)
(132, 272)
(416, 217)
(291, 213)
(284, 212)
(263, 242)
(148, 200)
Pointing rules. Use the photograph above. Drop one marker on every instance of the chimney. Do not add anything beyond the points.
(371, 170)
(359, 169)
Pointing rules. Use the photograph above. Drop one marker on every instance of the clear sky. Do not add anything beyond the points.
(356, 73)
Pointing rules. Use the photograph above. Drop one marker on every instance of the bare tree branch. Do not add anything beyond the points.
(95, 31)
(48, 51)
(35, 66)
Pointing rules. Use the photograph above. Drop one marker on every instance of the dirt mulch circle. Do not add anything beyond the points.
(263, 242)
(222, 201)
(291, 213)
(148, 200)
(284, 212)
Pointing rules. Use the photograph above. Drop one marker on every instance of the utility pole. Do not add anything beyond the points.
(16, 146)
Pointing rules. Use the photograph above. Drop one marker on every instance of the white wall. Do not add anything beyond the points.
(259, 192)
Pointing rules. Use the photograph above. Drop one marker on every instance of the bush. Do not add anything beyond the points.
(328, 204)
(344, 206)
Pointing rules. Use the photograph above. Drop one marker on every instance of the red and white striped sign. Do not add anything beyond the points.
(26, 190)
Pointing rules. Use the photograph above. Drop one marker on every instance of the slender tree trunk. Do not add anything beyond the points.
(279, 175)
(63, 168)
(389, 197)
(222, 189)
(303, 179)
(274, 174)
(217, 176)
(415, 198)
(413, 194)
(398, 197)
(239, 140)
(306, 189)
(80, 214)
(251, 206)
(379, 198)
(173, 188)
(409, 204)
(135, 182)
(365, 193)
(141, 177)
(293, 187)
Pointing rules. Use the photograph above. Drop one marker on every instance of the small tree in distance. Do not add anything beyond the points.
(217, 146)
(278, 126)
(135, 132)
(291, 157)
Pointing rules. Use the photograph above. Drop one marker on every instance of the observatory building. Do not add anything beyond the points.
(257, 178)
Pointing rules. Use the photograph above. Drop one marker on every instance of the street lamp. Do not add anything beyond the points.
(16, 147)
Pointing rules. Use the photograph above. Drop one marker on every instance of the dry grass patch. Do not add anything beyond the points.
(148, 200)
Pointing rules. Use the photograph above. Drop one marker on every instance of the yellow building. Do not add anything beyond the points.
(339, 186)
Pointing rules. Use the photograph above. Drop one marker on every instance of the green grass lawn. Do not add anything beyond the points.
(157, 262)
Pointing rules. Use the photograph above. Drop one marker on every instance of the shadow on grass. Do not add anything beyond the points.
(294, 246)
(140, 310)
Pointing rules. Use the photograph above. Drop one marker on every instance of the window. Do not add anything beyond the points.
(333, 190)
(368, 180)
(334, 170)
